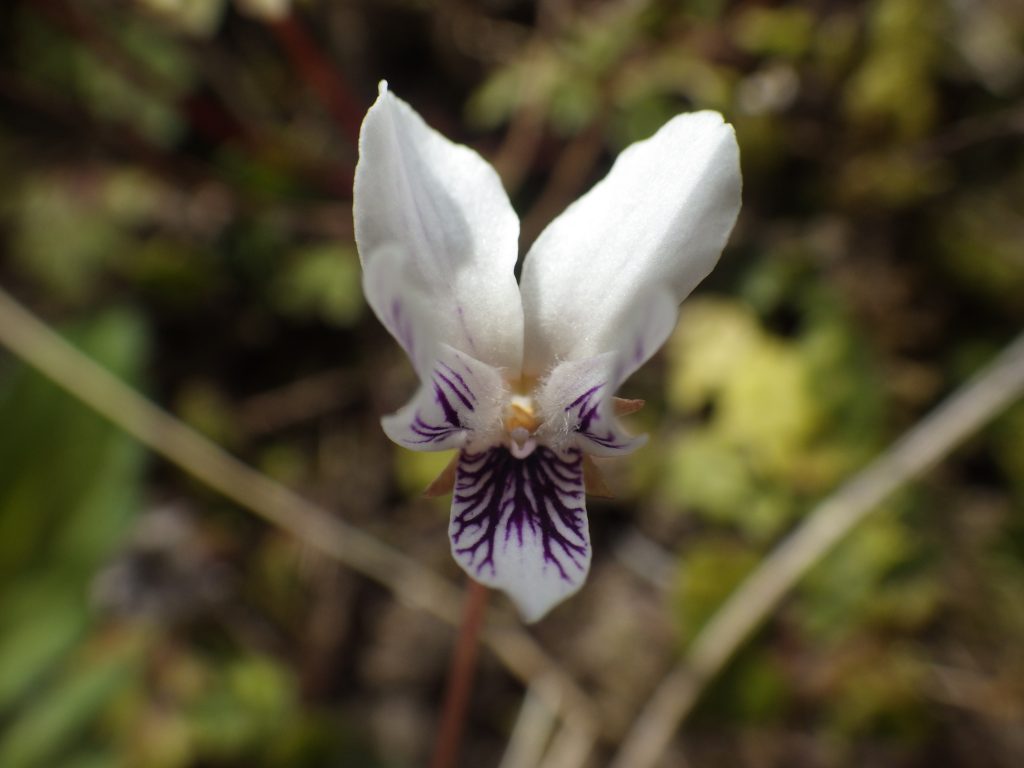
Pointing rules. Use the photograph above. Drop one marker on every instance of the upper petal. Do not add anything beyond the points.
(659, 219)
(405, 309)
(442, 205)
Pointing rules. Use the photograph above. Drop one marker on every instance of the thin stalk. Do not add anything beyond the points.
(37, 345)
(318, 73)
(988, 393)
(460, 678)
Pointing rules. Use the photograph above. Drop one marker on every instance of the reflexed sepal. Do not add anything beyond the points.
(461, 397)
(520, 525)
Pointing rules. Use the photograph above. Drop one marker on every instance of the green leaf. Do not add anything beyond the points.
(70, 482)
(57, 715)
(323, 282)
(707, 576)
(37, 640)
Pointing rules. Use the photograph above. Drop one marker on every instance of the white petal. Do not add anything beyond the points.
(575, 403)
(520, 525)
(660, 218)
(444, 206)
(459, 404)
(575, 400)
(404, 309)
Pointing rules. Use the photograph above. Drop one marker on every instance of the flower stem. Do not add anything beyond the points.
(318, 72)
(460, 678)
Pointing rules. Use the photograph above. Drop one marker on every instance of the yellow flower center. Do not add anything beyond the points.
(520, 423)
(519, 414)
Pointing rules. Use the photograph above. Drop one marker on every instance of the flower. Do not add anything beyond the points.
(520, 377)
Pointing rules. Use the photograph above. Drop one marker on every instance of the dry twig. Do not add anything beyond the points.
(952, 422)
(530, 734)
(43, 349)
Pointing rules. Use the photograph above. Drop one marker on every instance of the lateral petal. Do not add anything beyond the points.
(443, 206)
(576, 404)
(576, 400)
(659, 219)
(520, 525)
(458, 404)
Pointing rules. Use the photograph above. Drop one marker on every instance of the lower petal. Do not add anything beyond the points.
(520, 525)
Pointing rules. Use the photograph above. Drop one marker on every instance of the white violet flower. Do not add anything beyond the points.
(520, 377)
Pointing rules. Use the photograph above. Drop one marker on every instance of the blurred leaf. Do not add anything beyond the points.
(323, 281)
(69, 485)
(195, 17)
(286, 463)
(705, 9)
(574, 104)
(37, 640)
(68, 488)
(710, 473)
(93, 760)
(840, 591)
(242, 708)
(70, 228)
(891, 179)
(59, 241)
(879, 691)
(785, 32)
(893, 85)
(202, 406)
(523, 83)
(711, 476)
(753, 690)
(1009, 452)
(112, 98)
(979, 238)
(415, 470)
(62, 711)
(706, 576)
(710, 345)
(757, 386)
(835, 44)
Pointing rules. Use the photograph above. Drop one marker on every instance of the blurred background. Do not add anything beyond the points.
(176, 201)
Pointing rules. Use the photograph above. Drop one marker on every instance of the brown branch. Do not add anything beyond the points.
(460, 678)
(318, 73)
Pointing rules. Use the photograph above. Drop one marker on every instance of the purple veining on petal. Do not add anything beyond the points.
(401, 327)
(502, 502)
(639, 351)
(460, 390)
(465, 329)
(585, 407)
(590, 411)
(450, 414)
(447, 384)
(429, 433)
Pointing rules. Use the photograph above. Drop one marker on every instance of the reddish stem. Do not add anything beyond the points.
(460, 678)
(318, 73)
(210, 118)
